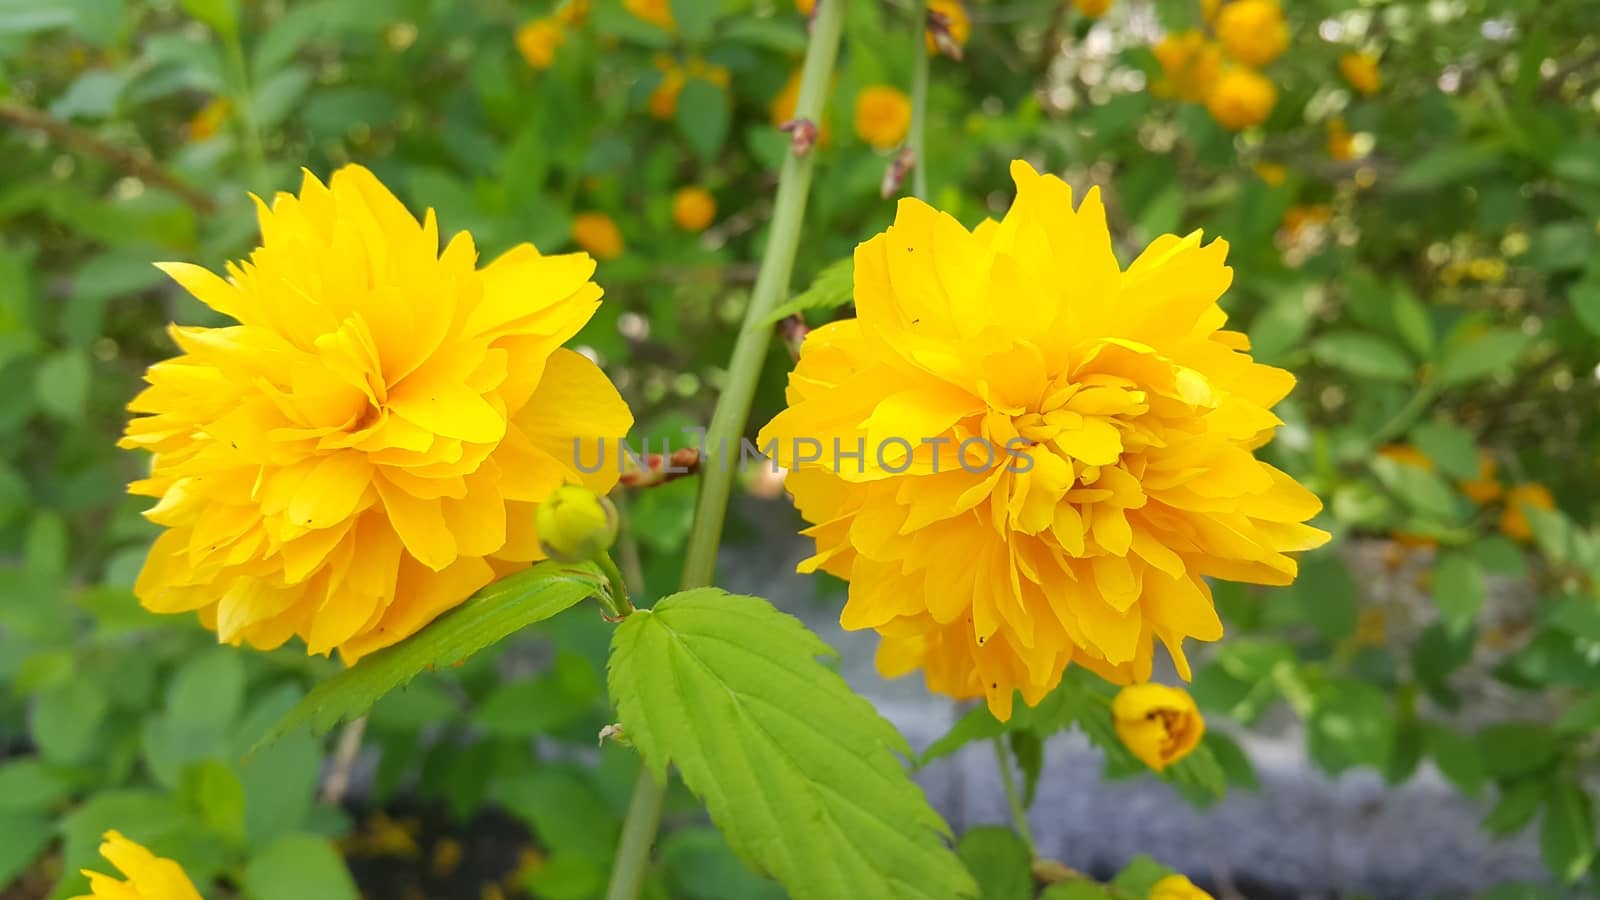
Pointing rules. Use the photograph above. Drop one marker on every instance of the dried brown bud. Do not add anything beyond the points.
(802, 135)
(895, 175)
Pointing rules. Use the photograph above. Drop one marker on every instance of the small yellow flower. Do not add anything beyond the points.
(1253, 31)
(1514, 519)
(1360, 70)
(1341, 143)
(883, 116)
(576, 524)
(208, 121)
(149, 877)
(1177, 887)
(537, 41)
(805, 6)
(1487, 269)
(1158, 724)
(1485, 488)
(1272, 173)
(573, 12)
(1241, 98)
(366, 447)
(663, 101)
(656, 12)
(1190, 65)
(693, 208)
(948, 27)
(595, 233)
(1094, 9)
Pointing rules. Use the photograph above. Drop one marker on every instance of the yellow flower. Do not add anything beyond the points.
(1177, 887)
(576, 524)
(1106, 472)
(1341, 143)
(595, 233)
(1190, 65)
(693, 208)
(1361, 71)
(948, 27)
(1485, 269)
(368, 445)
(1253, 31)
(805, 6)
(573, 12)
(1485, 488)
(656, 12)
(149, 877)
(1158, 724)
(537, 41)
(785, 103)
(1272, 173)
(883, 116)
(1241, 98)
(1094, 9)
(663, 102)
(208, 121)
(1514, 519)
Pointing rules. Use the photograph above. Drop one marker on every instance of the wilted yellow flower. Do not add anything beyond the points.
(537, 41)
(1177, 887)
(576, 524)
(1514, 518)
(367, 446)
(1190, 65)
(883, 116)
(1272, 173)
(948, 27)
(1361, 71)
(1056, 453)
(1158, 724)
(1241, 98)
(1485, 488)
(656, 12)
(693, 208)
(596, 233)
(1341, 143)
(148, 877)
(208, 121)
(1094, 9)
(1253, 31)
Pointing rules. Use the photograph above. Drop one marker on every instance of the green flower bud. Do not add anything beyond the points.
(575, 524)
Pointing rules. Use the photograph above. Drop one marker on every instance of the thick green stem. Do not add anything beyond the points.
(733, 406)
(918, 141)
(1019, 814)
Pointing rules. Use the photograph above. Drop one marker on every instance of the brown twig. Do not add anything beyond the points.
(344, 761)
(133, 162)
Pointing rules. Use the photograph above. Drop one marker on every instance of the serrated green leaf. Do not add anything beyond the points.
(833, 287)
(1000, 862)
(501, 609)
(1200, 776)
(799, 772)
(1566, 833)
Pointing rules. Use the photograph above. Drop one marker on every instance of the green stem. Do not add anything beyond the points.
(638, 833)
(619, 607)
(1019, 814)
(244, 101)
(733, 406)
(919, 102)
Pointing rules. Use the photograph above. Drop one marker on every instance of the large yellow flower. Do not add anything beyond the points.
(1190, 65)
(368, 445)
(1253, 31)
(1241, 98)
(1056, 452)
(149, 877)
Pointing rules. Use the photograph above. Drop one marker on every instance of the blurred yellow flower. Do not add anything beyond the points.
(1304, 215)
(1057, 452)
(1253, 31)
(948, 27)
(1487, 269)
(1360, 70)
(805, 6)
(1190, 65)
(596, 233)
(1341, 143)
(209, 120)
(1158, 724)
(1177, 887)
(1094, 9)
(537, 41)
(883, 116)
(575, 524)
(368, 445)
(1485, 488)
(663, 101)
(573, 12)
(1272, 173)
(1514, 518)
(693, 208)
(1406, 455)
(1241, 98)
(148, 877)
(656, 12)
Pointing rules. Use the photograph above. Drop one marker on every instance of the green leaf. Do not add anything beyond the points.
(1451, 448)
(1582, 717)
(1077, 889)
(1585, 298)
(1422, 490)
(833, 287)
(1516, 749)
(704, 113)
(1447, 165)
(1200, 776)
(1140, 875)
(565, 809)
(999, 861)
(1027, 747)
(1490, 353)
(214, 791)
(978, 724)
(501, 609)
(61, 384)
(699, 866)
(1363, 355)
(1328, 596)
(1351, 725)
(1458, 589)
(208, 690)
(1456, 756)
(296, 867)
(28, 785)
(1517, 805)
(1411, 320)
(1235, 763)
(221, 15)
(1566, 833)
(23, 836)
(800, 773)
(66, 721)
